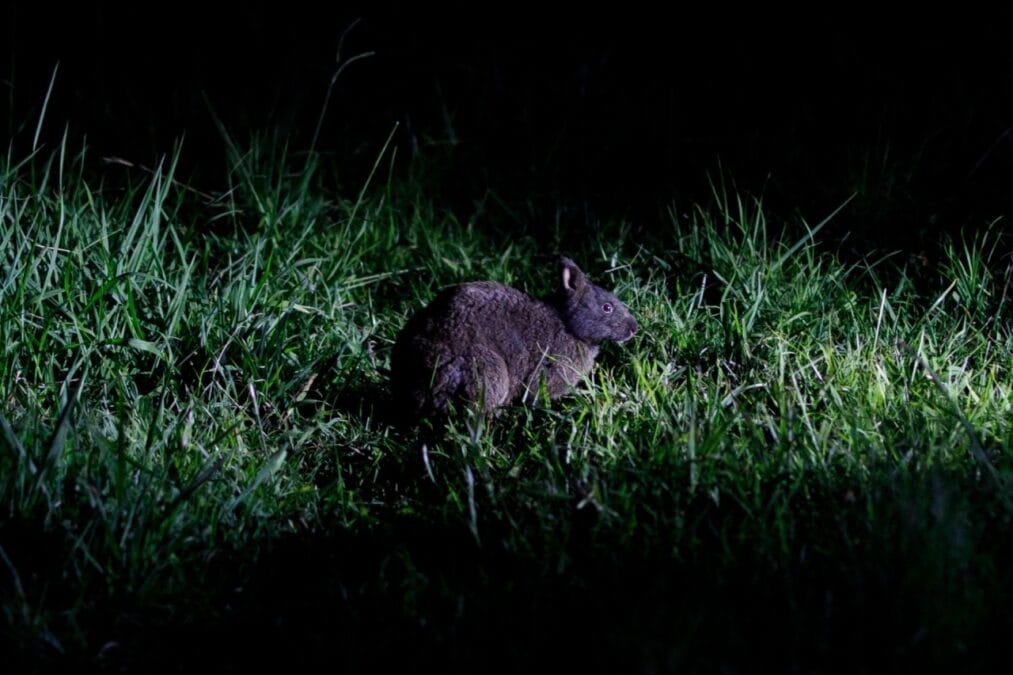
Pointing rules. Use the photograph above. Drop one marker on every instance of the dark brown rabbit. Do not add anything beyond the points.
(486, 343)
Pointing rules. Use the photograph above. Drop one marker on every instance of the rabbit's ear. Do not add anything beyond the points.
(573, 278)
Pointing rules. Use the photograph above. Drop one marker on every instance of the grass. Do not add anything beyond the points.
(799, 462)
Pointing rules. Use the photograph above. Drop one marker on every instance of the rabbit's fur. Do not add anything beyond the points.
(484, 343)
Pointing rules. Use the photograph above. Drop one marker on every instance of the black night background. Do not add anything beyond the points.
(615, 109)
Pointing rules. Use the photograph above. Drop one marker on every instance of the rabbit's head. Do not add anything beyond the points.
(591, 313)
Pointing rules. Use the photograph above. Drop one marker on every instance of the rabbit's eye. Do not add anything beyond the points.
(607, 308)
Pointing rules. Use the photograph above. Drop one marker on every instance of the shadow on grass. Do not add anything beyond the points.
(357, 390)
(919, 588)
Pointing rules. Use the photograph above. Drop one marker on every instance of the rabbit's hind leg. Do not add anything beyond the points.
(488, 380)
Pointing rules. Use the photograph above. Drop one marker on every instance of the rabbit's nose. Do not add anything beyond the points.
(631, 327)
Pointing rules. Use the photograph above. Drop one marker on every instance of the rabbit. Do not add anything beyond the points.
(485, 344)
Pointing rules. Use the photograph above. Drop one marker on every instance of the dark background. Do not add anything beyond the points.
(619, 110)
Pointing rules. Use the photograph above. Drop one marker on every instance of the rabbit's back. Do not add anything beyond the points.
(484, 342)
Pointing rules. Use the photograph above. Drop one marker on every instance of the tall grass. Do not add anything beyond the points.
(197, 446)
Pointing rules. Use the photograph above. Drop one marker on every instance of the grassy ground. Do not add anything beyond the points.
(799, 462)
